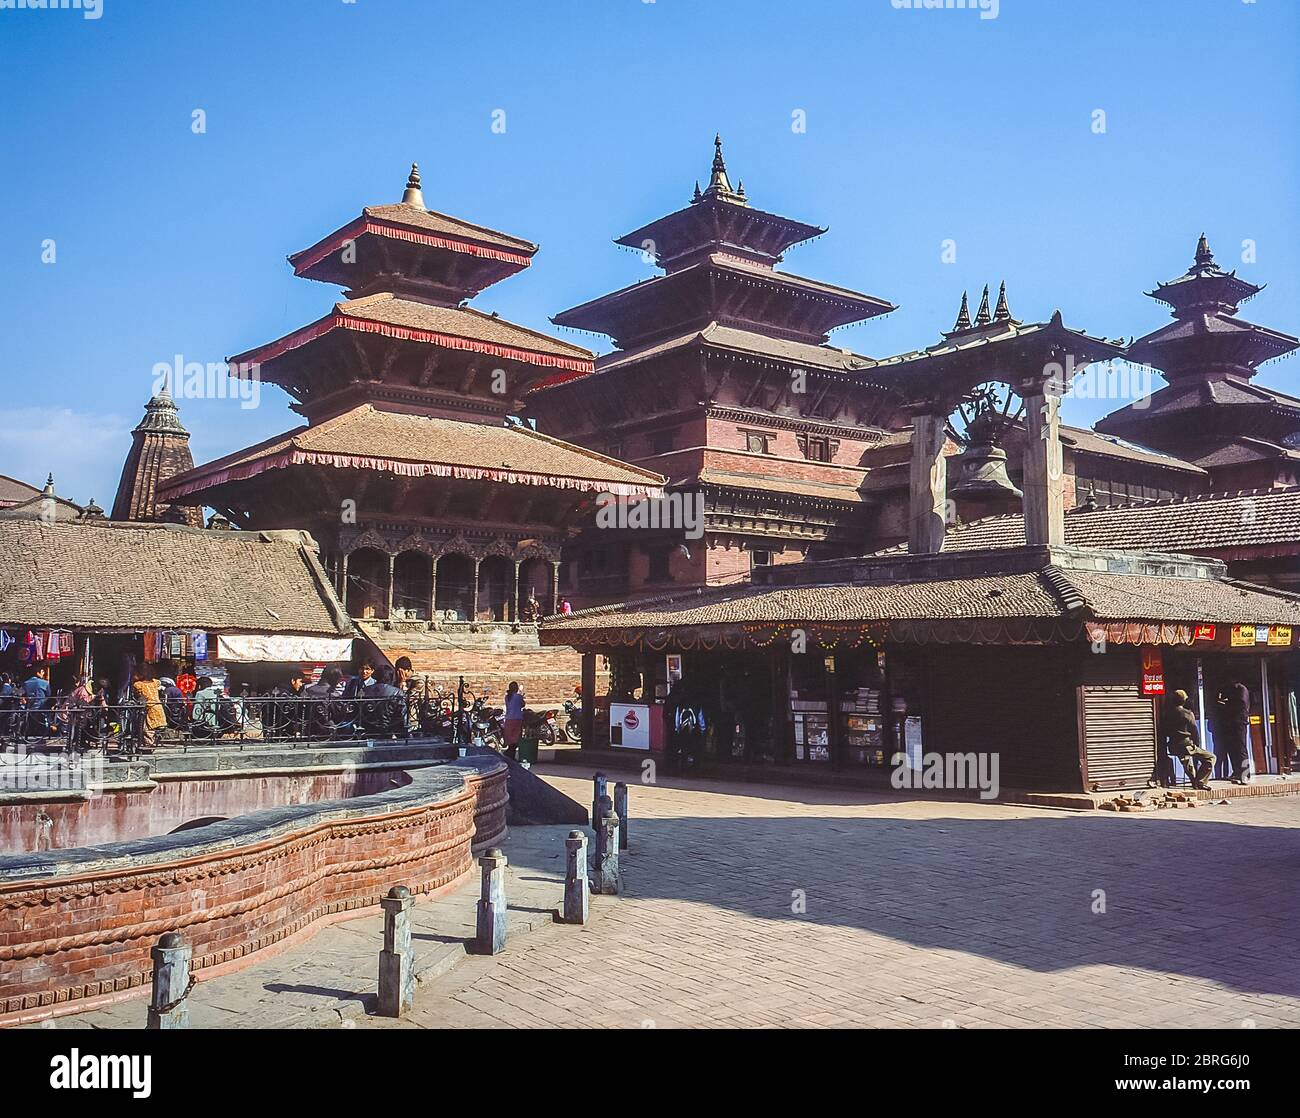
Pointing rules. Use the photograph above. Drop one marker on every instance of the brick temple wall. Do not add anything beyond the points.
(489, 660)
(80, 936)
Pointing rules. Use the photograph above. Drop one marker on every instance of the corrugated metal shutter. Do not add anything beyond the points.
(1119, 723)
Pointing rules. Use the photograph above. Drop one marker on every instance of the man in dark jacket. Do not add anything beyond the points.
(1234, 703)
(319, 721)
(1182, 738)
(383, 708)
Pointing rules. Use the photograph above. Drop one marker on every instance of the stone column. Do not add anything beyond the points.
(588, 718)
(928, 486)
(397, 959)
(599, 790)
(473, 610)
(491, 924)
(577, 891)
(169, 1007)
(514, 599)
(392, 560)
(433, 587)
(620, 809)
(555, 586)
(1044, 473)
(606, 880)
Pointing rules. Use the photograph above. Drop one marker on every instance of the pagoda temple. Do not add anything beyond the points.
(1243, 434)
(724, 380)
(433, 507)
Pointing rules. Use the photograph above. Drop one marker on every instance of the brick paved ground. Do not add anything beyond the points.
(917, 913)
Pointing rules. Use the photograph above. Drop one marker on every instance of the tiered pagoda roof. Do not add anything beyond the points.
(402, 380)
(414, 445)
(404, 334)
(1209, 357)
(719, 257)
(405, 247)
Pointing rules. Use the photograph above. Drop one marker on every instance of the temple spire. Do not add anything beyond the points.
(982, 316)
(719, 182)
(413, 195)
(963, 315)
(1203, 253)
(160, 449)
(1002, 313)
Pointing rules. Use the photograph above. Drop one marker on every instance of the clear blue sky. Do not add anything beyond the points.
(921, 126)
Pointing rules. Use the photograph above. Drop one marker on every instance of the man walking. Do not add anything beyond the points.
(1234, 702)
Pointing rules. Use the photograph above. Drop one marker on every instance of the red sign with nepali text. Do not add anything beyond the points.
(1153, 672)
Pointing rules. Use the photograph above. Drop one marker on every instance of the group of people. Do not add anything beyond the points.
(1181, 734)
(161, 705)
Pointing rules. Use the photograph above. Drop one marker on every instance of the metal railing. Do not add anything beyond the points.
(135, 727)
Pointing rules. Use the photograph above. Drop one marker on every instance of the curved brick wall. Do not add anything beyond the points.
(76, 926)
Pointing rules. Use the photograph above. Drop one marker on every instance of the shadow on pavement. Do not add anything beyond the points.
(1206, 898)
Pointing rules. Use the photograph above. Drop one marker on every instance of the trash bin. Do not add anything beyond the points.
(528, 749)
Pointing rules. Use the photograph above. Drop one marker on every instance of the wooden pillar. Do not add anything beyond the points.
(928, 486)
(834, 735)
(392, 560)
(343, 580)
(555, 586)
(780, 682)
(589, 699)
(473, 610)
(433, 587)
(513, 613)
(1044, 475)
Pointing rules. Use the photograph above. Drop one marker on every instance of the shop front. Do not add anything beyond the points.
(1046, 667)
(1262, 660)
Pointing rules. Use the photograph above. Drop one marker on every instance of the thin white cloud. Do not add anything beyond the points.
(82, 450)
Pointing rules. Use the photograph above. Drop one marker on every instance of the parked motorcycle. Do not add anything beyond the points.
(572, 728)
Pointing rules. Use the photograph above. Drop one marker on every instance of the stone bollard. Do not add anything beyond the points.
(605, 880)
(620, 809)
(172, 983)
(397, 959)
(577, 892)
(491, 938)
(601, 789)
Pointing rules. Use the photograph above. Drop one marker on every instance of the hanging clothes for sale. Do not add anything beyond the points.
(200, 645)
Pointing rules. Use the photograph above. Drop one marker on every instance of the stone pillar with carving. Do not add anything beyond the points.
(928, 486)
(1044, 473)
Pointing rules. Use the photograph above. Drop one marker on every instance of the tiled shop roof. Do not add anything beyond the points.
(1191, 525)
(125, 576)
(1049, 593)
